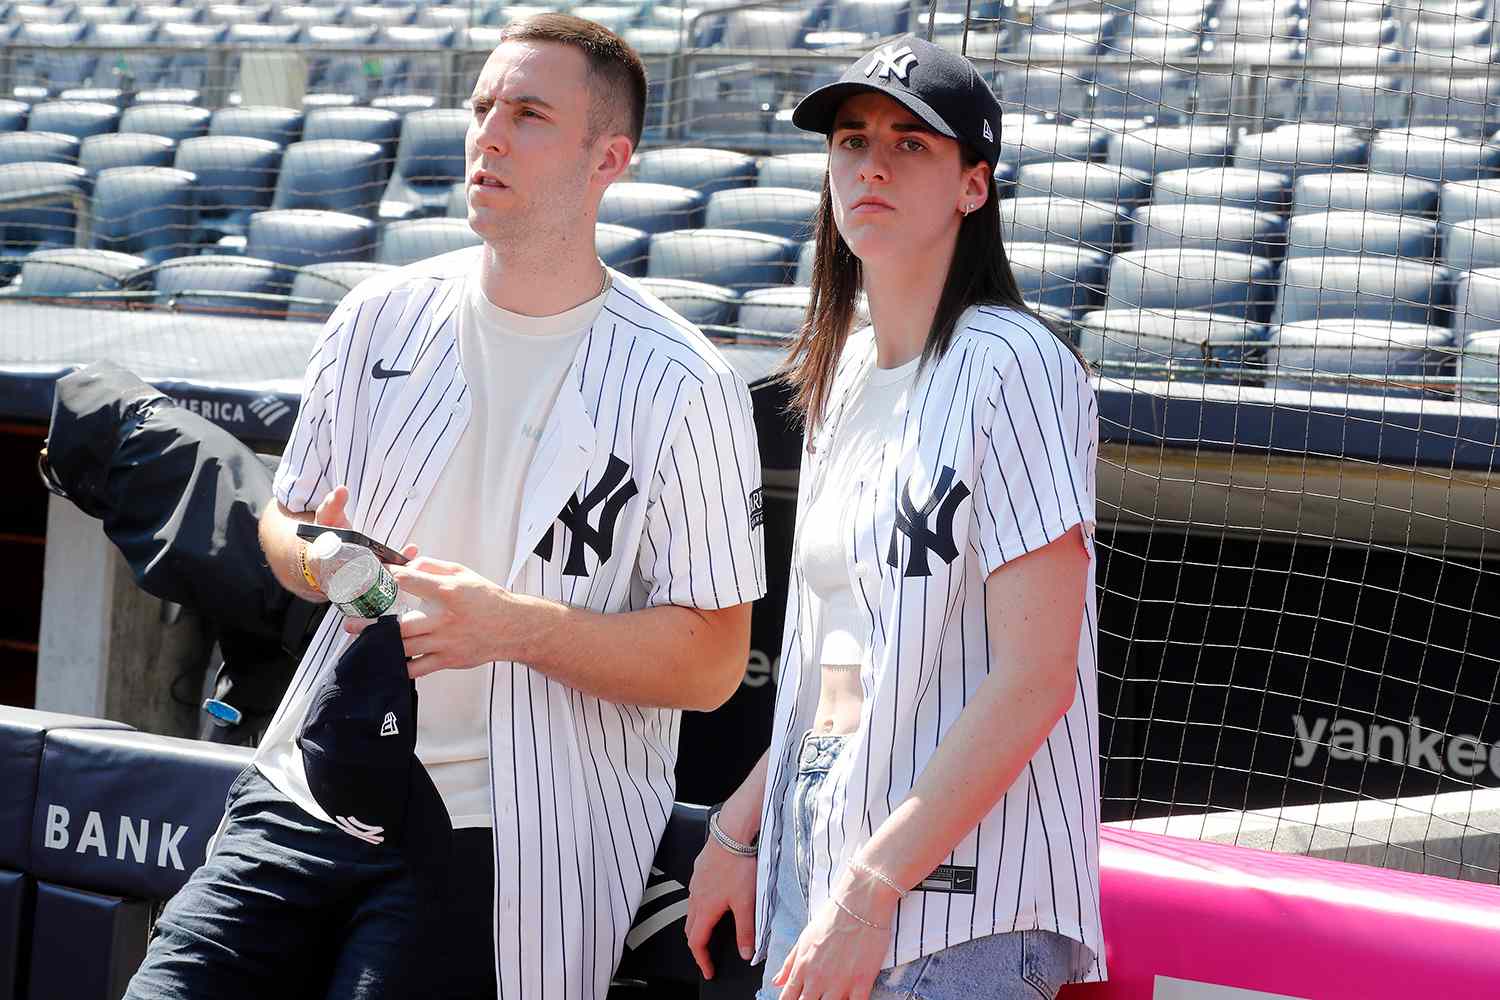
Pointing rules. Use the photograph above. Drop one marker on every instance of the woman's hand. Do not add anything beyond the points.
(837, 957)
(721, 883)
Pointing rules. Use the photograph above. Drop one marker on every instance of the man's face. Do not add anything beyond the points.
(528, 153)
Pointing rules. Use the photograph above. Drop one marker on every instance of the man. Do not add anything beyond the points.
(589, 460)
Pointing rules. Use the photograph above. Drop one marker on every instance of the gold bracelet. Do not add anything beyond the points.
(302, 565)
(868, 923)
(879, 876)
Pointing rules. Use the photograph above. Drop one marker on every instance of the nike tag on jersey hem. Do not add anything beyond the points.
(380, 371)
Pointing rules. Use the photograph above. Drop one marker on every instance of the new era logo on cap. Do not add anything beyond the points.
(889, 60)
(988, 135)
(388, 727)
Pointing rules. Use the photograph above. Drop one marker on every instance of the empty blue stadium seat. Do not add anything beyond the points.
(380, 15)
(1039, 142)
(75, 118)
(412, 74)
(307, 16)
(1156, 150)
(774, 310)
(1043, 90)
(1166, 96)
(236, 178)
(697, 302)
(1471, 244)
(806, 254)
(61, 64)
(870, 18)
(430, 159)
(377, 125)
(332, 175)
(405, 104)
(300, 237)
(127, 69)
(327, 284)
(1476, 302)
(1210, 227)
(1335, 234)
(1085, 181)
(727, 257)
(212, 283)
(1461, 200)
(338, 74)
(1236, 187)
(654, 208)
(1153, 342)
(1066, 277)
(794, 170)
(458, 201)
(1092, 224)
(754, 28)
(1295, 150)
(1377, 349)
(1480, 366)
(168, 95)
(407, 242)
(1322, 288)
(1203, 280)
(72, 271)
(778, 211)
(145, 211)
(13, 115)
(125, 149)
(157, 13)
(38, 147)
(1470, 102)
(703, 170)
(622, 248)
(175, 121)
(191, 64)
(282, 126)
(1365, 193)
(23, 230)
(1438, 159)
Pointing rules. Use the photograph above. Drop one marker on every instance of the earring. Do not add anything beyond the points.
(968, 208)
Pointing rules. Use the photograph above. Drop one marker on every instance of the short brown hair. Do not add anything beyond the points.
(617, 78)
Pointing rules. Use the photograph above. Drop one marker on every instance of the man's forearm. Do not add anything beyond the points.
(279, 541)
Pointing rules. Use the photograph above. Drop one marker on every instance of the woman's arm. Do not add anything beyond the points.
(723, 882)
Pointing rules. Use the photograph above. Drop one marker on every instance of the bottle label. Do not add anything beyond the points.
(375, 601)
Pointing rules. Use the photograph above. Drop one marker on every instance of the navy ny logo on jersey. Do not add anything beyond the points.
(609, 496)
(911, 521)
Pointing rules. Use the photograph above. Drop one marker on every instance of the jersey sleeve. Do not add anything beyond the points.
(704, 540)
(1037, 440)
(302, 478)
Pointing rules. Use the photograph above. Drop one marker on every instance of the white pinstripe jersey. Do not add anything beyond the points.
(994, 458)
(639, 494)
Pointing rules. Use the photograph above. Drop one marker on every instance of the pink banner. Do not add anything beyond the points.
(1188, 920)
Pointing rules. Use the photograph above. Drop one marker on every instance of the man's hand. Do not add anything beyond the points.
(463, 621)
(283, 549)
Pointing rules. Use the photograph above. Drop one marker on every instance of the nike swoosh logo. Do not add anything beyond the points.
(379, 371)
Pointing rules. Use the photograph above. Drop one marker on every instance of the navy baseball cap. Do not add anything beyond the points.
(359, 745)
(940, 87)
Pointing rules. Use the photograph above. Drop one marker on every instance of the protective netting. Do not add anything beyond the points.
(1272, 225)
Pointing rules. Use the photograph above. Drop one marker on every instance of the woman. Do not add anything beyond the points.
(925, 821)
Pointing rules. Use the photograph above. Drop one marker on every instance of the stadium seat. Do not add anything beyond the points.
(328, 284)
(869, 19)
(94, 95)
(168, 95)
(96, 15)
(1042, 90)
(1345, 85)
(1092, 224)
(67, 271)
(191, 64)
(1407, 353)
(774, 310)
(794, 170)
(806, 254)
(1471, 244)
(1295, 150)
(1480, 366)
(1153, 342)
(1322, 288)
(282, 126)
(38, 147)
(1085, 181)
(770, 29)
(233, 13)
(332, 175)
(309, 15)
(414, 74)
(622, 248)
(1039, 142)
(175, 121)
(695, 301)
(1148, 89)
(145, 211)
(23, 230)
(1157, 150)
(1066, 277)
(236, 177)
(299, 237)
(381, 15)
(128, 69)
(1430, 157)
(1203, 280)
(342, 73)
(458, 201)
(13, 116)
(653, 208)
(1374, 234)
(1210, 227)
(75, 118)
(1235, 187)
(728, 257)
(377, 125)
(1365, 193)
(161, 13)
(212, 283)
(407, 242)
(405, 104)
(125, 149)
(703, 170)
(1476, 302)
(59, 61)
(778, 211)
(1470, 102)
(1463, 200)
(430, 159)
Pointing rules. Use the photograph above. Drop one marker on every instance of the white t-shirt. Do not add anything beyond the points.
(515, 365)
(826, 545)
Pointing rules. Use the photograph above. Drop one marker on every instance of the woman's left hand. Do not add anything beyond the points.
(837, 957)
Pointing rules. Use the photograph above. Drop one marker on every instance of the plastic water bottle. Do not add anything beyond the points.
(355, 579)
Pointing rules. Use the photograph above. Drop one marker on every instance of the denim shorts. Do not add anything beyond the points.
(1020, 964)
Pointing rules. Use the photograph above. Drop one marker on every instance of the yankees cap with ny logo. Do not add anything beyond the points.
(940, 87)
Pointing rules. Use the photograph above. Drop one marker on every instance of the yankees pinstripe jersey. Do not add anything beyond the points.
(640, 494)
(993, 458)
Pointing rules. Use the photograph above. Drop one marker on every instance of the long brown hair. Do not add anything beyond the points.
(979, 273)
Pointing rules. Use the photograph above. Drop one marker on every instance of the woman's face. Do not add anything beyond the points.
(898, 187)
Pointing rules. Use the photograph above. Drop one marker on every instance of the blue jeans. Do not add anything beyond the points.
(287, 907)
(1021, 965)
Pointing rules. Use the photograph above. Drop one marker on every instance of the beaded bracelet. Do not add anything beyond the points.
(727, 842)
